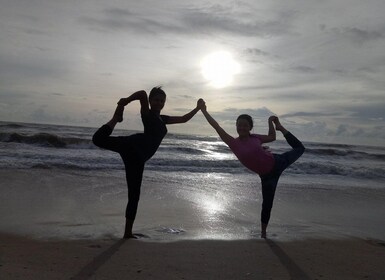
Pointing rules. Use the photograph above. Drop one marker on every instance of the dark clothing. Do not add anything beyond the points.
(134, 150)
(269, 181)
(154, 131)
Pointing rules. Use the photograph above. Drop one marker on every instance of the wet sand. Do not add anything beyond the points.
(66, 225)
(25, 258)
(61, 204)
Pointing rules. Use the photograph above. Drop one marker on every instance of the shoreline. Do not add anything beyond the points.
(351, 258)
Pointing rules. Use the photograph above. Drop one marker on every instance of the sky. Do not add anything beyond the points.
(318, 65)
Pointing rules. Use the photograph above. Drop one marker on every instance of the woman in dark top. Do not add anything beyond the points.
(136, 149)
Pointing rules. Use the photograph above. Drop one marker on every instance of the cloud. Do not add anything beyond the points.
(347, 131)
(259, 56)
(256, 52)
(368, 111)
(342, 128)
(331, 132)
(227, 20)
(319, 64)
(119, 13)
(198, 21)
(359, 35)
(42, 115)
(121, 20)
(361, 111)
(309, 114)
(303, 69)
(21, 68)
(185, 96)
(57, 94)
(231, 114)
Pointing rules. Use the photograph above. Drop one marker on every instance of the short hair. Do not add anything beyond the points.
(248, 118)
(156, 91)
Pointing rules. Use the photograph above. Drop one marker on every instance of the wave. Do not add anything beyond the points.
(186, 146)
(302, 168)
(46, 140)
(234, 167)
(103, 160)
(344, 153)
(181, 150)
(12, 125)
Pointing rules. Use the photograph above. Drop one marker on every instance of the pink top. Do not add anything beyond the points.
(252, 155)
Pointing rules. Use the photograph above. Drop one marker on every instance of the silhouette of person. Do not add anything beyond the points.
(136, 149)
(248, 149)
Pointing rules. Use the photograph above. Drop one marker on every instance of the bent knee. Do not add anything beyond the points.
(300, 150)
(303, 149)
(96, 139)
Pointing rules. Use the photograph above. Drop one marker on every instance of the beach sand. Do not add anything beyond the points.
(66, 225)
(24, 258)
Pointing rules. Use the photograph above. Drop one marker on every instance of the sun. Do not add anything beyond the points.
(219, 68)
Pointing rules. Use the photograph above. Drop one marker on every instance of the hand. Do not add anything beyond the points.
(201, 104)
(273, 118)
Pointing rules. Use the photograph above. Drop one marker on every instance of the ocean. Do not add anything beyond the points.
(56, 183)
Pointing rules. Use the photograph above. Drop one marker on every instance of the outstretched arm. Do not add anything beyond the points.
(186, 117)
(221, 132)
(271, 135)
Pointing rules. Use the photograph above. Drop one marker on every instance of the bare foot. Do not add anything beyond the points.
(279, 126)
(263, 229)
(128, 227)
(130, 236)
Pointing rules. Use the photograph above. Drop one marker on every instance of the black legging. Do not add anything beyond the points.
(133, 164)
(270, 180)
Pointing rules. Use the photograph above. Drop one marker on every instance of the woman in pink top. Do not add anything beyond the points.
(248, 149)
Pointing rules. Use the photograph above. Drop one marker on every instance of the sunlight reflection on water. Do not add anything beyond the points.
(212, 208)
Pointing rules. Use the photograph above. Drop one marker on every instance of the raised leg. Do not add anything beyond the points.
(288, 158)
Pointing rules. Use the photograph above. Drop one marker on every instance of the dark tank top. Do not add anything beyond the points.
(154, 131)
(147, 143)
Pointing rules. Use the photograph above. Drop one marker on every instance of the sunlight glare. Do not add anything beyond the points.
(219, 68)
(212, 207)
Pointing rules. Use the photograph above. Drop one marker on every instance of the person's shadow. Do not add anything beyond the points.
(294, 270)
(98, 261)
